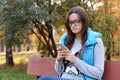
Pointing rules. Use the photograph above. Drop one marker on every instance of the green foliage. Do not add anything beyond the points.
(38, 17)
(15, 73)
(15, 19)
(105, 22)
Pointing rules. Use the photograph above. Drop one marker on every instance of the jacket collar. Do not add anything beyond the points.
(91, 37)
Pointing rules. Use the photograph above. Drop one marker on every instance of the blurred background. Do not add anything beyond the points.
(31, 28)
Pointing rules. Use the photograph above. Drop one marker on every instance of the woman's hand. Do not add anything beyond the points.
(66, 54)
(61, 54)
(70, 57)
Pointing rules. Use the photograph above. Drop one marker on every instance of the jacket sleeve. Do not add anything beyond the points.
(59, 67)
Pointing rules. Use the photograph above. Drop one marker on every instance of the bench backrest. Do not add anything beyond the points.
(112, 70)
(40, 66)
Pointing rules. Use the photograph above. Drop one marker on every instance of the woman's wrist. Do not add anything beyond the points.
(58, 58)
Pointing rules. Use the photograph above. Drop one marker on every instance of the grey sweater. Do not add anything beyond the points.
(95, 71)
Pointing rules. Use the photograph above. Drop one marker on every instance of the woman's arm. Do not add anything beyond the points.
(95, 71)
(59, 66)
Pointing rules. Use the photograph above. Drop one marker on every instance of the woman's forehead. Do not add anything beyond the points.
(73, 16)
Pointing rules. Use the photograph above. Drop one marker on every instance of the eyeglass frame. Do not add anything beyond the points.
(75, 22)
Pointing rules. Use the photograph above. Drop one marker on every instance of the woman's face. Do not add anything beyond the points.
(75, 23)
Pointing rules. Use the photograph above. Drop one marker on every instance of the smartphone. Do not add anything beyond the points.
(61, 46)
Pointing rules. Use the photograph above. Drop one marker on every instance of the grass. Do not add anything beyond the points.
(17, 72)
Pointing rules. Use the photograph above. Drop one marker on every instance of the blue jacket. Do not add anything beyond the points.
(89, 49)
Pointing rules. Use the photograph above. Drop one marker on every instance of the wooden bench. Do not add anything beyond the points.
(40, 66)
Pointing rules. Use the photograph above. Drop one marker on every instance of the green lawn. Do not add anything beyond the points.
(19, 71)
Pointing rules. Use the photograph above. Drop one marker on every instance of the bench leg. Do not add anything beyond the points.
(38, 77)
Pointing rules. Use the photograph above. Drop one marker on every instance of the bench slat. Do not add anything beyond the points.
(41, 66)
(112, 70)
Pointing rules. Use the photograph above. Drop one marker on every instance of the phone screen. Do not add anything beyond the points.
(60, 45)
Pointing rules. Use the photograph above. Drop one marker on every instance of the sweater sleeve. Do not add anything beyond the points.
(59, 66)
(97, 70)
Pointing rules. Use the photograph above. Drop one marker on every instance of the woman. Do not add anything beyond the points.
(85, 61)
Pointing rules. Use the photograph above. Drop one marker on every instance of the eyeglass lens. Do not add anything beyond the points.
(75, 22)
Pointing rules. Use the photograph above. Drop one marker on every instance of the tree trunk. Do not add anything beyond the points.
(54, 46)
(28, 48)
(14, 48)
(108, 56)
(38, 47)
(9, 56)
(1, 46)
(19, 48)
(8, 38)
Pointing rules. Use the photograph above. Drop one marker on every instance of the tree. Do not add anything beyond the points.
(37, 17)
(109, 27)
(44, 21)
(15, 27)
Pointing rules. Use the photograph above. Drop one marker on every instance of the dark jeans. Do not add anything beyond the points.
(51, 78)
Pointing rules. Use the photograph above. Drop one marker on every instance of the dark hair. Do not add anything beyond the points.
(84, 19)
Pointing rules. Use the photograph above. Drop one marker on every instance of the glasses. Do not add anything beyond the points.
(75, 22)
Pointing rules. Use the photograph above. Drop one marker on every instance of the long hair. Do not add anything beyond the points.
(84, 19)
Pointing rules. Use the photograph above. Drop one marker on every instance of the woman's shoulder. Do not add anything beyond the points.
(99, 40)
(63, 39)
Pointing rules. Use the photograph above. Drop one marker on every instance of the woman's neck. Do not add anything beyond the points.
(78, 35)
